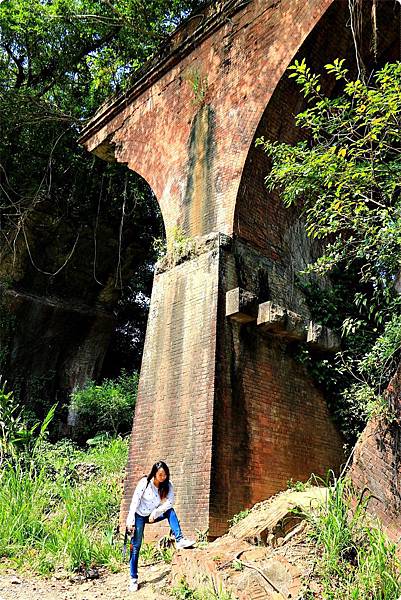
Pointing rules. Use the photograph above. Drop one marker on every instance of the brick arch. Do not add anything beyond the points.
(192, 149)
(260, 217)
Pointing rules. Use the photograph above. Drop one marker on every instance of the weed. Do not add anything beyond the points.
(182, 591)
(238, 517)
(237, 565)
(201, 538)
(356, 560)
(297, 486)
(198, 83)
(48, 519)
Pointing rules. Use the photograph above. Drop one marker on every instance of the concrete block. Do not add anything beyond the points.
(241, 305)
(296, 326)
(271, 317)
(322, 338)
(281, 321)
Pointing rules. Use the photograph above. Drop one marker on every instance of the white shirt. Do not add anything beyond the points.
(147, 502)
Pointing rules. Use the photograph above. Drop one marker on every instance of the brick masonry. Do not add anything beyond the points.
(226, 405)
(271, 423)
(174, 414)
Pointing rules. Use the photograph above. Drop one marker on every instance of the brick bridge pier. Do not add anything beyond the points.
(221, 397)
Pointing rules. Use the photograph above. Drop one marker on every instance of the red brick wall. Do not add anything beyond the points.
(158, 132)
(272, 424)
(174, 412)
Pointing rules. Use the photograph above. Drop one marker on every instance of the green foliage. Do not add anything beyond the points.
(380, 362)
(152, 553)
(346, 179)
(201, 538)
(182, 591)
(176, 248)
(237, 565)
(238, 517)
(107, 407)
(297, 486)
(18, 441)
(354, 560)
(198, 83)
(51, 517)
(347, 176)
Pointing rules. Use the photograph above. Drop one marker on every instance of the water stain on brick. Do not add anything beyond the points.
(199, 207)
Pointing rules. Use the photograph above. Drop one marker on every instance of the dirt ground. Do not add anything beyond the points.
(108, 586)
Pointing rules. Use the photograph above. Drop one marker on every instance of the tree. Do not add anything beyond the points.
(346, 178)
(71, 225)
(58, 61)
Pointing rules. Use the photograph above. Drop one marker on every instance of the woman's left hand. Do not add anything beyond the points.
(151, 520)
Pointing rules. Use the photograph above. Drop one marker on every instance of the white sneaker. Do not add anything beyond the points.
(184, 543)
(133, 585)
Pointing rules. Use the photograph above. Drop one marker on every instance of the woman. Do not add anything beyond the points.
(152, 502)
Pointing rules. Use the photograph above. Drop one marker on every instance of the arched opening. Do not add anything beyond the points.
(260, 217)
(143, 240)
(86, 320)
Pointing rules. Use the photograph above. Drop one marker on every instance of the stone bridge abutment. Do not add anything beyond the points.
(221, 397)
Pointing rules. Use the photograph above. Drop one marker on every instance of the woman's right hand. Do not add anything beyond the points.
(131, 529)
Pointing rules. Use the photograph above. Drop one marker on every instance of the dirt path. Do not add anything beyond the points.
(108, 587)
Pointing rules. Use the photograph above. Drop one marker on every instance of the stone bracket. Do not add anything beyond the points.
(241, 305)
(281, 321)
(322, 338)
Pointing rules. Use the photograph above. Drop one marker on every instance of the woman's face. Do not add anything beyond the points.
(160, 475)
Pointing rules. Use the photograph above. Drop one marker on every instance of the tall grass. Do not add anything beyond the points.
(23, 504)
(49, 518)
(356, 560)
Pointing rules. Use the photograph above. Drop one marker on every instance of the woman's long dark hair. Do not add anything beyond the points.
(163, 487)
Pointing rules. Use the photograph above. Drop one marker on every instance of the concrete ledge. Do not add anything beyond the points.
(241, 305)
(322, 338)
(281, 321)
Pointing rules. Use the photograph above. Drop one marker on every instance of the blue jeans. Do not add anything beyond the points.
(136, 540)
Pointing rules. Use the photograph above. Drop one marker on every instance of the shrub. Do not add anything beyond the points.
(238, 517)
(107, 407)
(18, 441)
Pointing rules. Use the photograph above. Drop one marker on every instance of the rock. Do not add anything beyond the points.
(92, 573)
(16, 580)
